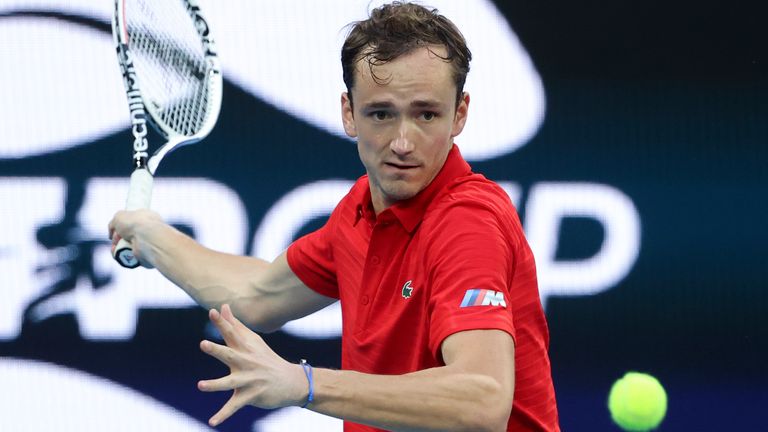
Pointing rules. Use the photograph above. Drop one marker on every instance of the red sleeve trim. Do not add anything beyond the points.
(306, 276)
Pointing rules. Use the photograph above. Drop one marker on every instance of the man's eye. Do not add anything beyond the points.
(380, 115)
(428, 115)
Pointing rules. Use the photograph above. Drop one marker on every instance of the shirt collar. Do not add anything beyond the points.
(410, 212)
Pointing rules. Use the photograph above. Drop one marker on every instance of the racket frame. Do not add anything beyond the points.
(143, 113)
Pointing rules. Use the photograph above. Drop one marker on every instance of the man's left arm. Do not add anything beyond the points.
(472, 392)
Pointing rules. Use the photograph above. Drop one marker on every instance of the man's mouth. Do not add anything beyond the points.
(402, 166)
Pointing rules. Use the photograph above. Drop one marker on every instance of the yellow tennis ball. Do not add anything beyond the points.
(637, 402)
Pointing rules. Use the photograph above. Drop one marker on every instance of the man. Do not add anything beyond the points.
(442, 324)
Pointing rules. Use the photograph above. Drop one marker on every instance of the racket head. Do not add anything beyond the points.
(170, 68)
(172, 79)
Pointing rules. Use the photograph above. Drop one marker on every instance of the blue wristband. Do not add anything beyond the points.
(308, 372)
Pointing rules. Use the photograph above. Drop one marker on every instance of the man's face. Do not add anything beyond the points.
(405, 125)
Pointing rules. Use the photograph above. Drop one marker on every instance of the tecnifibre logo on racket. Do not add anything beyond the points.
(202, 27)
(136, 106)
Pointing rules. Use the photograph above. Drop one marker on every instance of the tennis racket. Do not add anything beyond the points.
(173, 81)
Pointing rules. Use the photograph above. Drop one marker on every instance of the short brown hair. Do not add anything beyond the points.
(398, 28)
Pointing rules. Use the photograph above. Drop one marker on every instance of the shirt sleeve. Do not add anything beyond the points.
(311, 260)
(470, 258)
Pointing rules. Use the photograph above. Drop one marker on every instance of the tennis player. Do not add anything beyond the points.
(443, 328)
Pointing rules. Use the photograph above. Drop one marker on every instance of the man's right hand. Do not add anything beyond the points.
(136, 227)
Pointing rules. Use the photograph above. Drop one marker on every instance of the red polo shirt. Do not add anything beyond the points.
(450, 259)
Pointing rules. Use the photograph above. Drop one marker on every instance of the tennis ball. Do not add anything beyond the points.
(637, 402)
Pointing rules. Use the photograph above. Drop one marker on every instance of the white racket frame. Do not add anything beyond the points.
(140, 191)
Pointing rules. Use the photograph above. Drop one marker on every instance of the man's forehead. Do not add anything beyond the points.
(431, 57)
(434, 49)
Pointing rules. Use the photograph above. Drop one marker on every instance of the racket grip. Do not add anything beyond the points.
(139, 197)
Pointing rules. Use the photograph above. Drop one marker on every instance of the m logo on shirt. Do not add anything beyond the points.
(483, 297)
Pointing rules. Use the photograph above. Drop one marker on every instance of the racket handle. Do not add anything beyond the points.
(139, 197)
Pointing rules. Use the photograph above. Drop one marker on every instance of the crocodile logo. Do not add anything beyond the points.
(407, 290)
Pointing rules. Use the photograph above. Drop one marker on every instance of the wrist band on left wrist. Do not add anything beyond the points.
(310, 380)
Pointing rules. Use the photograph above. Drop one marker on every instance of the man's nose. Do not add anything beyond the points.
(402, 144)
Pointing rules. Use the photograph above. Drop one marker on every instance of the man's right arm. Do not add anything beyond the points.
(262, 294)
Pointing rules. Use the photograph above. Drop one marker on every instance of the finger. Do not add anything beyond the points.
(226, 312)
(114, 236)
(241, 331)
(225, 328)
(112, 226)
(233, 404)
(222, 353)
(115, 240)
(229, 382)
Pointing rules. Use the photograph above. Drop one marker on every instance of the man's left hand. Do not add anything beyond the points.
(258, 376)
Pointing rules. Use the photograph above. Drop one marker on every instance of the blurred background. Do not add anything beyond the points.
(631, 136)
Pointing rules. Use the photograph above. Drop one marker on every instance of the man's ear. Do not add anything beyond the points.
(348, 115)
(460, 119)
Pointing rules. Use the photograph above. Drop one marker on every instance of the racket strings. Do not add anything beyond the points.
(170, 63)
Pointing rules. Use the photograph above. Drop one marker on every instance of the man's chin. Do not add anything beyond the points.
(400, 192)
